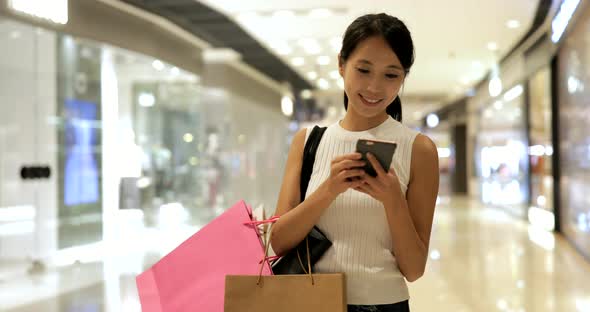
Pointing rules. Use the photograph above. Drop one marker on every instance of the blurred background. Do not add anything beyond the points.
(125, 126)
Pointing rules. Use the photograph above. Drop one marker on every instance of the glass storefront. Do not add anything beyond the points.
(79, 141)
(574, 133)
(123, 134)
(501, 153)
(28, 141)
(540, 151)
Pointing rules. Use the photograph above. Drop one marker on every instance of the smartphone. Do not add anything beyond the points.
(382, 150)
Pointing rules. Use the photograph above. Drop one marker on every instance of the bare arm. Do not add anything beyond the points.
(410, 218)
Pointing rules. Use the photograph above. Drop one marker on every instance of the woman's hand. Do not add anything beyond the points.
(385, 187)
(345, 172)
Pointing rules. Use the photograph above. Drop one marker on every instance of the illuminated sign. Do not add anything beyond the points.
(562, 18)
(53, 10)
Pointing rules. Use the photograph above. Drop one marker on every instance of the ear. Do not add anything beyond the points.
(340, 66)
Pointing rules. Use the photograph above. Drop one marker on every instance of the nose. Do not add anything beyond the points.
(373, 85)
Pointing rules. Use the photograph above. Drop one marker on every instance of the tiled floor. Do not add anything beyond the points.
(480, 260)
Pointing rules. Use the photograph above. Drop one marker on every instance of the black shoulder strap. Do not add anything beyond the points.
(309, 151)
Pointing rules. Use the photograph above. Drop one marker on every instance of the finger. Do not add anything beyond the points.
(348, 164)
(353, 156)
(355, 184)
(365, 189)
(376, 165)
(360, 189)
(392, 171)
(372, 182)
(344, 174)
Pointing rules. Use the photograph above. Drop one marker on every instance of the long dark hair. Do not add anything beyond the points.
(397, 36)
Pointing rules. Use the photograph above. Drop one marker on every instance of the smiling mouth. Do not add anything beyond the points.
(369, 101)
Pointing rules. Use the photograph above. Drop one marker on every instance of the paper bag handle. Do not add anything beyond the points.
(266, 258)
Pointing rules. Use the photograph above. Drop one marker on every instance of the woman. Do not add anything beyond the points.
(379, 226)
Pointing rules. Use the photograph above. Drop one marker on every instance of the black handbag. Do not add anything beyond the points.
(290, 263)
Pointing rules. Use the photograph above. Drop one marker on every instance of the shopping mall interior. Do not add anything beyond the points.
(127, 126)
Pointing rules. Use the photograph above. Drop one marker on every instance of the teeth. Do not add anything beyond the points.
(370, 101)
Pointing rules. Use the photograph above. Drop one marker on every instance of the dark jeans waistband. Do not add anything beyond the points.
(403, 306)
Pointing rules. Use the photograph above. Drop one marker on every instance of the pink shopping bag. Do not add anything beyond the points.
(192, 276)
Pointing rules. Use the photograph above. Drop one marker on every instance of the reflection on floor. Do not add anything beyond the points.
(480, 260)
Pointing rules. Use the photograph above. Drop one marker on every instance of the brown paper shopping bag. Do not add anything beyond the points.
(286, 293)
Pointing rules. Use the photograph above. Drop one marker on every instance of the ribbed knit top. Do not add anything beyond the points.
(356, 223)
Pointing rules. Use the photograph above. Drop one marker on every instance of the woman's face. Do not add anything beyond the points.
(373, 76)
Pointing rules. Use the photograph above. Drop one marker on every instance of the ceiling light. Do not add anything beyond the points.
(283, 14)
(146, 99)
(444, 152)
(562, 18)
(158, 65)
(306, 94)
(175, 71)
(513, 24)
(513, 93)
(187, 137)
(287, 106)
(55, 10)
(432, 120)
(323, 84)
(311, 46)
(435, 255)
(312, 75)
(334, 74)
(495, 86)
(465, 80)
(281, 47)
(323, 60)
(298, 61)
(320, 13)
(492, 46)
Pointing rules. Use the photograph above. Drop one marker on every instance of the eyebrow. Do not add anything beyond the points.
(369, 63)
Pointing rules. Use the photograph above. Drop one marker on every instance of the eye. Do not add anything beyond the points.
(391, 76)
(363, 71)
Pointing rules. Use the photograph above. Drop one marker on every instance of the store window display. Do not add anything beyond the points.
(130, 140)
(541, 209)
(502, 157)
(573, 66)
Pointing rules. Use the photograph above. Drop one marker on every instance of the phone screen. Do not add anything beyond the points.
(382, 150)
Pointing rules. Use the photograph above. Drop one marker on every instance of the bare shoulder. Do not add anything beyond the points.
(298, 142)
(424, 154)
(289, 193)
(423, 146)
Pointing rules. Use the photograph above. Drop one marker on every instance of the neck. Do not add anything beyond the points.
(352, 122)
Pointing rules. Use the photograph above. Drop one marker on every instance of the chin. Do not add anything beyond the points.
(369, 112)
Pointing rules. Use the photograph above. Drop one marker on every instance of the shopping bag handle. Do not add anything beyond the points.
(272, 219)
(308, 271)
(267, 258)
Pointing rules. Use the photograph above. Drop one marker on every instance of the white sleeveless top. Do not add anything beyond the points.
(356, 223)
